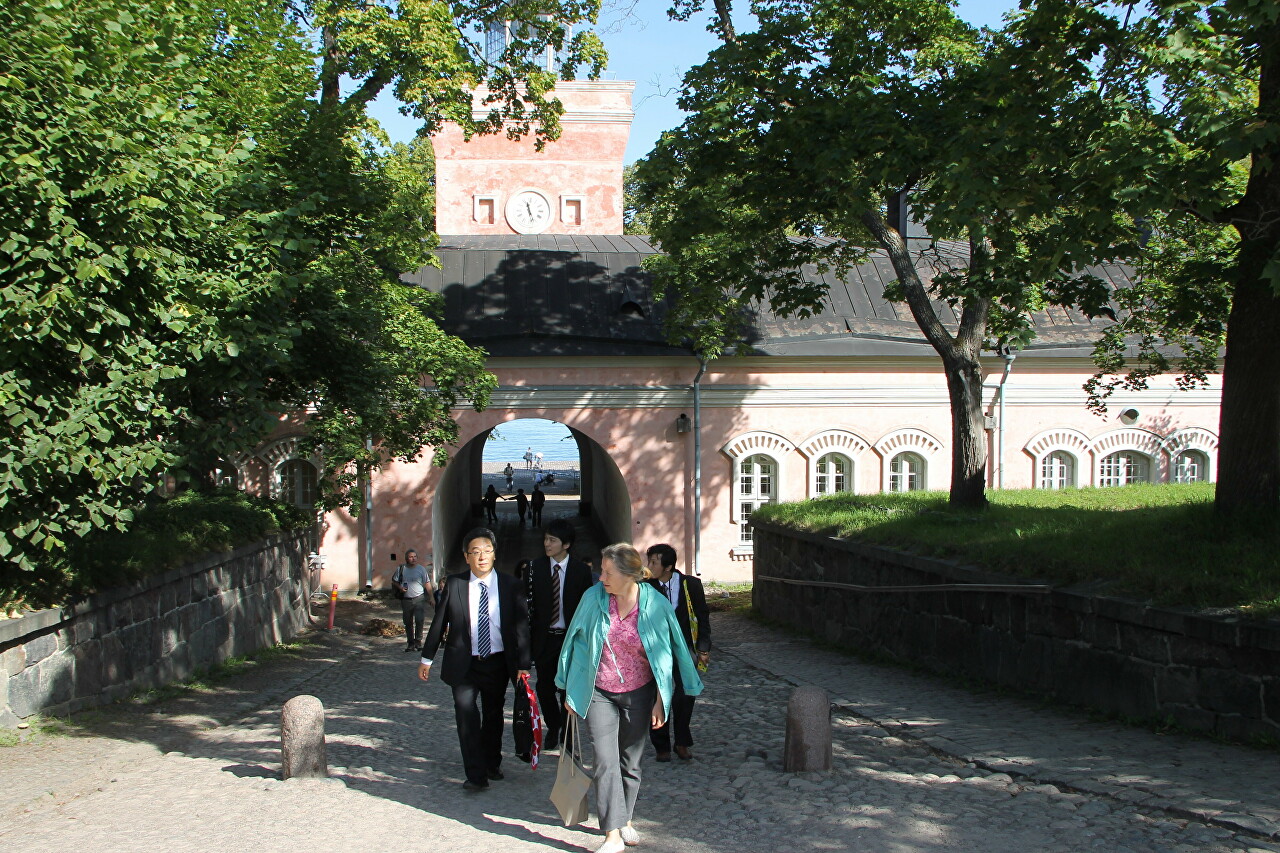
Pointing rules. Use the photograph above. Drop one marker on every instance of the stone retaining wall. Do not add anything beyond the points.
(1219, 675)
(162, 629)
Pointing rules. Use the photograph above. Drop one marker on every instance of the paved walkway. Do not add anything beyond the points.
(919, 766)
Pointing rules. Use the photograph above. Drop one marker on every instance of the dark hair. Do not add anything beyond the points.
(666, 554)
(562, 530)
(479, 533)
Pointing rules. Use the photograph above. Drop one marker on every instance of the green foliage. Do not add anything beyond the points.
(1154, 542)
(198, 233)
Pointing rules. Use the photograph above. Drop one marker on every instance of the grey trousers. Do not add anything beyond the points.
(414, 612)
(618, 723)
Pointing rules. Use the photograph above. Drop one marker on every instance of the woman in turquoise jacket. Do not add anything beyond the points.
(616, 669)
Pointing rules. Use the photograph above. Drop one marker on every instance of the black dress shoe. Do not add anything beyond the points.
(495, 775)
(683, 753)
(472, 787)
(664, 756)
(550, 741)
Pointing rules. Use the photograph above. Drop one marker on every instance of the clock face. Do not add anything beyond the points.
(528, 212)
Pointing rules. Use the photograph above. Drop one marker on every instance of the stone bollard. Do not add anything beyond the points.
(302, 738)
(808, 743)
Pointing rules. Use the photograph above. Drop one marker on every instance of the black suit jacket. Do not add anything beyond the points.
(577, 580)
(454, 610)
(698, 597)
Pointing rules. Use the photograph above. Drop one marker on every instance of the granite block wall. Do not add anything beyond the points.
(164, 628)
(1213, 674)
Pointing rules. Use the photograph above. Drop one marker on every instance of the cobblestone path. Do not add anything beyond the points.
(919, 766)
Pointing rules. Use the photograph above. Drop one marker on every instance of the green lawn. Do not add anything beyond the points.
(1158, 543)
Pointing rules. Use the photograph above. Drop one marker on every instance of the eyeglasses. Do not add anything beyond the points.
(476, 552)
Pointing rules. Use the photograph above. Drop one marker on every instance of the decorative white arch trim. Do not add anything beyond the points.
(770, 444)
(1063, 438)
(281, 451)
(833, 441)
(1142, 441)
(906, 440)
(1132, 438)
(1060, 439)
(840, 441)
(1191, 438)
(758, 441)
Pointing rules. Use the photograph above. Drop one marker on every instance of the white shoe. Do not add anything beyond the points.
(611, 847)
(629, 836)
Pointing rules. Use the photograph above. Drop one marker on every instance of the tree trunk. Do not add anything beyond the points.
(1249, 429)
(968, 433)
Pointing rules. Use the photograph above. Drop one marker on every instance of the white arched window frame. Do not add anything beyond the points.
(908, 472)
(1193, 445)
(1059, 455)
(832, 445)
(745, 494)
(298, 481)
(279, 452)
(914, 441)
(1125, 456)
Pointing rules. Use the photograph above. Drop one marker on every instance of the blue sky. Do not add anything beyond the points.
(655, 52)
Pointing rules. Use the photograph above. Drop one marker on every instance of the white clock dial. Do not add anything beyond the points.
(528, 212)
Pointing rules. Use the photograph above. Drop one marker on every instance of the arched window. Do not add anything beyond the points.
(832, 473)
(1191, 466)
(298, 483)
(1124, 469)
(1057, 470)
(225, 474)
(907, 473)
(757, 475)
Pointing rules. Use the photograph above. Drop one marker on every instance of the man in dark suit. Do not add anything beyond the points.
(556, 583)
(685, 594)
(488, 647)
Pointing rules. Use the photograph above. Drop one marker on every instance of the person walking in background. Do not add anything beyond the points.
(528, 457)
(537, 460)
(619, 653)
(687, 597)
(536, 502)
(490, 501)
(487, 648)
(510, 474)
(414, 580)
(557, 583)
(522, 503)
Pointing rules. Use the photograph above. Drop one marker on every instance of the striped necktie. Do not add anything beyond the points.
(555, 594)
(483, 642)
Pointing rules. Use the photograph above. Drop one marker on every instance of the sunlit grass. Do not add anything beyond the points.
(1161, 543)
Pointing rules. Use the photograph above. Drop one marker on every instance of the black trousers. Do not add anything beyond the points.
(478, 703)
(537, 515)
(550, 700)
(681, 715)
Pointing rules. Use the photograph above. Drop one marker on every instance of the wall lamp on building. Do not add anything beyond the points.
(683, 424)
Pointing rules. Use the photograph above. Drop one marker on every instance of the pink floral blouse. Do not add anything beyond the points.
(623, 664)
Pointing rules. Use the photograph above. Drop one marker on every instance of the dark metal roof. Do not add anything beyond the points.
(549, 294)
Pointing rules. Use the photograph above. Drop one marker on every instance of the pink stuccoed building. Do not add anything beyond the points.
(535, 269)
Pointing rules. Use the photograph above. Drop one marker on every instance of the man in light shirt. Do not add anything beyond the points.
(414, 580)
(488, 647)
(556, 584)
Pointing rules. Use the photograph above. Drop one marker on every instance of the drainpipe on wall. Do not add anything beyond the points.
(697, 464)
(368, 519)
(1008, 366)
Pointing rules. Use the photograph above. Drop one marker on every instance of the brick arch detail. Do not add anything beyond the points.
(1131, 438)
(1191, 438)
(908, 439)
(1062, 438)
(834, 441)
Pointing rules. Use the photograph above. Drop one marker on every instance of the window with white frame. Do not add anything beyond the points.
(1191, 466)
(298, 483)
(1057, 470)
(906, 473)
(832, 473)
(1124, 468)
(226, 475)
(756, 486)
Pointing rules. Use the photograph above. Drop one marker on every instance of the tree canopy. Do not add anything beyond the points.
(201, 230)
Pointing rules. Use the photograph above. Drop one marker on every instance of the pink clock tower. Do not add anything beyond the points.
(494, 185)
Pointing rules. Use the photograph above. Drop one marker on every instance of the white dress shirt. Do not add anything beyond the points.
(495, 614)
(673, 588)
(562, 568)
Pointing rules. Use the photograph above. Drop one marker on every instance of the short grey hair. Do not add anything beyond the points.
(627, 559)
